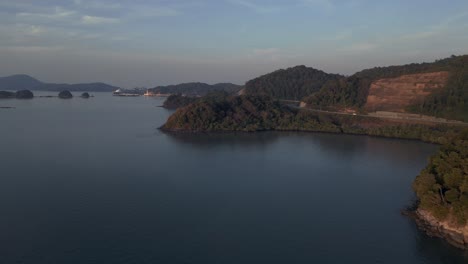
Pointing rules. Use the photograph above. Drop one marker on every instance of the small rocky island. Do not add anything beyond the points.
(85, 95)
(65, 95)
(22, 94)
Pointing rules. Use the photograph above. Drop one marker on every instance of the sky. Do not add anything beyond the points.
(145, 43)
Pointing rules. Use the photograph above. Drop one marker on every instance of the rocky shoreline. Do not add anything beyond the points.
(456, 236)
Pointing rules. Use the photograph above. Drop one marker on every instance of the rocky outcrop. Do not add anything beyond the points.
(456, 236)
(65, 95)
(395, 94)
(24, 94)
(85, 95)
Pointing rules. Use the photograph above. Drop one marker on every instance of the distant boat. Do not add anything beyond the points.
(122, 92)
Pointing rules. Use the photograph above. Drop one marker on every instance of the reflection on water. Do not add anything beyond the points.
(208, 140)
(346, 146)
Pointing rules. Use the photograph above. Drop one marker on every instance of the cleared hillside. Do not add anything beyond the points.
(396, 94)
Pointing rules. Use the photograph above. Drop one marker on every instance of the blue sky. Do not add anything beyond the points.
(147, 43)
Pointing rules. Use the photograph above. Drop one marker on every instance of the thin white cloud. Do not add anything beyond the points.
(320, 3)
(450, 21)
(58, 13)
(32, 49)
(418, 36)
(97, 4)
(339, 36)
(436, 30)
(139, 12)
(266, 55)
(254, 7)
(95, 20)
(36, 30)
(360, 47)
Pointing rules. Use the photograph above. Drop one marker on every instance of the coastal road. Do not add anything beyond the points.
(449, 122)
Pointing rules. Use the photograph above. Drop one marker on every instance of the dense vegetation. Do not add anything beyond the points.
(195, 89)
(177, 100)
(344, 92)
(260, 113)
(291, 84)
(228, 113)
(353, 90)
(451, 102)
(442, 187)
(321, 90)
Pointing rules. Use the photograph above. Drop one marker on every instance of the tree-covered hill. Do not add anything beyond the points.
(354, 89)
(195, 89)
(18, 82)
(228, 113)
(175, 101)
(291, 84)
(442, 187)
(262, 113)
(321, 90)
(450, 102)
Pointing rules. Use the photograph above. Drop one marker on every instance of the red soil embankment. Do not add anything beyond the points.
(395, 94)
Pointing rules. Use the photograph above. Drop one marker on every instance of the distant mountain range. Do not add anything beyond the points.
(195, 88)
(26, 82)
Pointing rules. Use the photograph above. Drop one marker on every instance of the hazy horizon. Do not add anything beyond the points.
(150, 43)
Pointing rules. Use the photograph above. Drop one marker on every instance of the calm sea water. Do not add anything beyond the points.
(94, 181)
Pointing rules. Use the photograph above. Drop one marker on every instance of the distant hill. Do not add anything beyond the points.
(26, 82)
(292, 83)
(195, 89)
(82, 87)
(18, 82)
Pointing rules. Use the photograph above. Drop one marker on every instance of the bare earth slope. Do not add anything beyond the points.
(395, 94)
